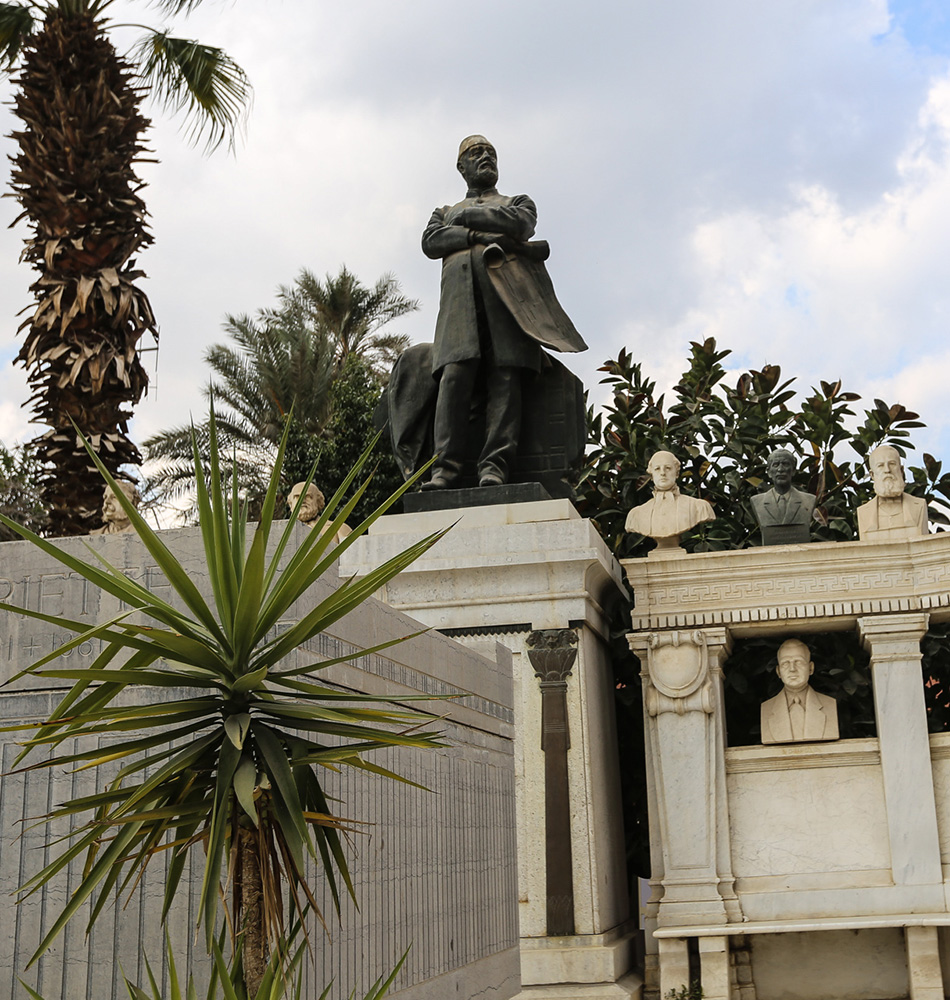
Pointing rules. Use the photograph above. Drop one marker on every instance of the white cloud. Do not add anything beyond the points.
(828, 292)
(771, 173)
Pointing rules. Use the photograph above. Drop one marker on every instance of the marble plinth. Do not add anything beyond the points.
(505, 573)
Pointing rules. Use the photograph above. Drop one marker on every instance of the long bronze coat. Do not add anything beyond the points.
(511, 329)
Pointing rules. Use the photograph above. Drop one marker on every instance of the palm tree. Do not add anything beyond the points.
(320, 353)
(274, 365)
(351, 314)
(75, 180)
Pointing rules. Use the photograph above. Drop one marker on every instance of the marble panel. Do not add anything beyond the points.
(832, 965)
(805, 819)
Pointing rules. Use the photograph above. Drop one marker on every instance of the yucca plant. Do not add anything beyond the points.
(229, 761)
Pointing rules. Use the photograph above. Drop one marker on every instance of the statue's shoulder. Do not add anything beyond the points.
(825, 700)
(806, 498)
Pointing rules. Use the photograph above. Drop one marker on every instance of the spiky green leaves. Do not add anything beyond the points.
(227, 759)
(16, 25)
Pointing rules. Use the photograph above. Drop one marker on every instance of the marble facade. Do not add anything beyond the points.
(808, 870)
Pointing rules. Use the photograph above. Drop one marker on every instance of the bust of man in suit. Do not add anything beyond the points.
(783, 513)
(892, 513)
(669, 513)
(798, 712)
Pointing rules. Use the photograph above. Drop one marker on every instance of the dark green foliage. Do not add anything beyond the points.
(20, 490)
(723, 435)
(349, 431)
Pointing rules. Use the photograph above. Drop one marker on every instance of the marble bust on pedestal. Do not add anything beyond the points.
(798, 713)
(783, 513)
(892, 513)
(669, 513)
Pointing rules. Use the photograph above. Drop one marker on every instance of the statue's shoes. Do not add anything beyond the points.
(491, 479)
(436, 483)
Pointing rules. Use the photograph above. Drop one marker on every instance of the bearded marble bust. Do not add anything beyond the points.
(113, 514)
(669, 513)
(892, 513)
(312, 507)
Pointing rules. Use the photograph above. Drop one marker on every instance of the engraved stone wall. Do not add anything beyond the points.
(435, 869)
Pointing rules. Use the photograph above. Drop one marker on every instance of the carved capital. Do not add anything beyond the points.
(677, 666)
(552, 652)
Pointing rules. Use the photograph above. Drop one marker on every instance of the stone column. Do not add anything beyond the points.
(552, 653)
(923, 963)
(894, 644)
(682, 693)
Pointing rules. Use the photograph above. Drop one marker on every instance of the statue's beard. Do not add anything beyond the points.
(888, 487)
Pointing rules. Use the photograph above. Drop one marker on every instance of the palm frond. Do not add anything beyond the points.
(201, 80)
(16, 25)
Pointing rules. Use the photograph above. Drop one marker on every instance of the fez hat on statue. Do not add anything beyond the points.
(472, 140)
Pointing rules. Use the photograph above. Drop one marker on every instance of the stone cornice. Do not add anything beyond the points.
(822, 584)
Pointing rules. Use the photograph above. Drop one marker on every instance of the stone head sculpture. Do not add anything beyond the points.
(795, 665)
(892, 513)
(114, 517)
(664, 469)
(887, 471)
(781, 468)
(313, 503)
(783, 513)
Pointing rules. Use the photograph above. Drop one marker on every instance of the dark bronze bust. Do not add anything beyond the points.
(783, 513)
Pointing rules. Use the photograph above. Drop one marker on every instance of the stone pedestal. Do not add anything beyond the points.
(535, 577)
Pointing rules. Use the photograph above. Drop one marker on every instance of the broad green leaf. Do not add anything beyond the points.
(245, 780)
(236, 726)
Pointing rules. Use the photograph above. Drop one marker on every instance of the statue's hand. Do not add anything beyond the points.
(505, 242)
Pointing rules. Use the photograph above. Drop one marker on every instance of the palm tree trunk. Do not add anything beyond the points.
(74, 178)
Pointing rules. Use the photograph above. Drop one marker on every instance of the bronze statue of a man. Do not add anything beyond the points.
(783, 513)
(497, 306)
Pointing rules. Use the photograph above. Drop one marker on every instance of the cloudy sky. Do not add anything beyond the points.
(775, 175)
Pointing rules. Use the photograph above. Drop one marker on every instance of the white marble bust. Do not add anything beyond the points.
(312, 507)
(113, 515)
(669, 513)
(892, 514)
(798, 713)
